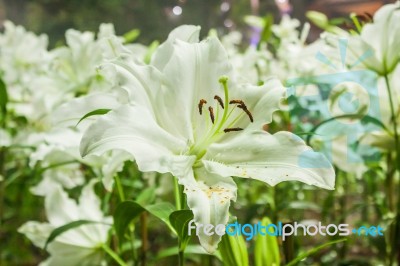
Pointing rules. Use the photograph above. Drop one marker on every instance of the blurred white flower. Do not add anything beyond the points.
(5, 138)
(286, 30)
(77, 246)
(376, 47)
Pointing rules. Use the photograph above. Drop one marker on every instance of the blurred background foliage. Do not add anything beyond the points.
(156, 18)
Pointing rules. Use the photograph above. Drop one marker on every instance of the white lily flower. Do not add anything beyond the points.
(185, 118)
(77, 246)
(376, 48)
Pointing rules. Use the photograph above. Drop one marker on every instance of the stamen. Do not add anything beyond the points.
(211, 114)
(242, 105)
(370, 17)
(201, 103)
(249, 115)
(226, 130)
(236, 102)
(216, 97)
(244, 108)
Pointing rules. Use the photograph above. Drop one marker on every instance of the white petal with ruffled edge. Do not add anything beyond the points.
(270, 158)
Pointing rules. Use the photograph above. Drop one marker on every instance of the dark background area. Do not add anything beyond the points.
(156, 18)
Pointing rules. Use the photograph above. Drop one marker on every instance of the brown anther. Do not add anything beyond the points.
(230, 129)
(242, 106)
(211, 114)
(219, 100)
(249, 115)
(370, 17)
(236, 102)
(201, 103)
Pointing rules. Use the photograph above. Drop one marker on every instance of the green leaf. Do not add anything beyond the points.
(267, 29)
(313, 251)
(162, 211)
(147, 196)
(3, 97)
(62, 229)
(92, 113)
(129, 210)
(266, 251)
(131, 35)
(190, 249)
(124, 213)
(179, 221)
(233, 250)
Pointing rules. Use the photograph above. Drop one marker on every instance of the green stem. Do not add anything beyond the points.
(2, 182)
(396, 238)
(177, 191)
(181, 255)
(145, 244)
(132, 243)
(113, 255)
(179, 206)
(122, 198)
(119, 188)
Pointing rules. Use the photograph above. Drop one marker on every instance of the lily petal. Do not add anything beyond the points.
(187, 33)
(133, 129)
(69, 255)
(60, 209)
(192, 73)
(270, 158)
(208, 196)
(262, 100)
(36, 232)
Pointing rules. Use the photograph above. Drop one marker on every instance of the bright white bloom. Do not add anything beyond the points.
(376, 48)
(77, 246)
(22, 55)
(184, 117)
(287, 29)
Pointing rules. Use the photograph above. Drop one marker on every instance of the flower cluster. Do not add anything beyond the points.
(203, 120)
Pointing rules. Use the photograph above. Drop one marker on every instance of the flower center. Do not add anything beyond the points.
(217, 124)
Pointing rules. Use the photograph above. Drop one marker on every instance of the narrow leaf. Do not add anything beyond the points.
(62, 229)
(3, 97)
(190, 249)
(313, 251)
(233, 250)
(92, 113)
(362, 118)
(266, 251)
